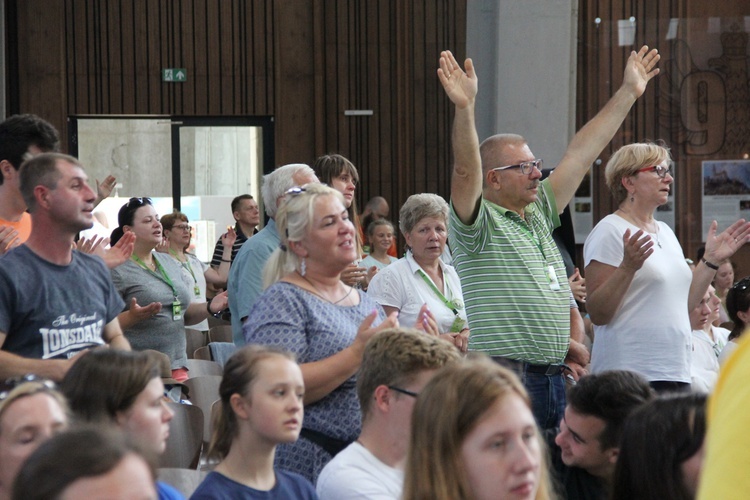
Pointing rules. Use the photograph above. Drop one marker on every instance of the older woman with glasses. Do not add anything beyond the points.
(31, 412)
(177, 236)
(421, 278)
(640, 289)
(158, 294)
(326, 323)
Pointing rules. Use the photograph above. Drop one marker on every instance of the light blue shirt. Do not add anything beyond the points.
(245, 282)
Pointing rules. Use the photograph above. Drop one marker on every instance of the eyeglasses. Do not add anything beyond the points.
(660, 170)
(403, 391)
(296, 190)
(742, 284)
(526, 167)
(183, 227)
(12, 383)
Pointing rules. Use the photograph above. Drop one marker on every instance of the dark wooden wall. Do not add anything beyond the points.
(666, 111)
(304, 62)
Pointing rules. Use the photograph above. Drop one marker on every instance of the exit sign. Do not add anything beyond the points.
(174, 75)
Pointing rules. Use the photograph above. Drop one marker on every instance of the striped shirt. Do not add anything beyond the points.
(219, 248)
(503, 262)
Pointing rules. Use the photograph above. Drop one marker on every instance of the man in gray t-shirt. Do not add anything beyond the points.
(54, 302)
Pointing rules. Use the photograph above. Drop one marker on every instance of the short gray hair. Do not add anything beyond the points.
(419, 206)
(279, 182)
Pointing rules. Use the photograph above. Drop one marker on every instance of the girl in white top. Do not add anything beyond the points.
(380, 238)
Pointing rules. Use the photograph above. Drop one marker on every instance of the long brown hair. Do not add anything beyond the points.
(446, 411)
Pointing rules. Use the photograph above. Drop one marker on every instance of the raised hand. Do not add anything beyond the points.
(104, 189)
(228, 238)
(641, 68)
(120, 252)
(721, 246)
(354, 275)
(366, 330)
(460, 86)
(139, 313)
(426, 322)
(91, 245)
(637, 248)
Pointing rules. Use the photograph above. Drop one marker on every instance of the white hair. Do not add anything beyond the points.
(279, 182)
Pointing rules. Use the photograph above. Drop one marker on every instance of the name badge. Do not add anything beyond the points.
(554, 283)
(458, 325)
(197, 291)
(176, 311)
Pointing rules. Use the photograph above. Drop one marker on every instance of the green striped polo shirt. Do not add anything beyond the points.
(502, 261)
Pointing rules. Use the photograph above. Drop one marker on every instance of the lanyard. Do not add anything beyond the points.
(528, 229)
(163, 273)
(185, 264)
(450, 305)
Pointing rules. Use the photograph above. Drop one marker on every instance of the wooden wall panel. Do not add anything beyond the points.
(304, 62)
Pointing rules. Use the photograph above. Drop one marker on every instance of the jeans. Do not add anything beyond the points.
(547, 393)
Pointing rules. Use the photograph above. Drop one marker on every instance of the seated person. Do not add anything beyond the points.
(88, 462)
(585, 450)
(261, 406)
(30, 413)
(396, 365)
(708, 342)
(123, 390)
(661, 452)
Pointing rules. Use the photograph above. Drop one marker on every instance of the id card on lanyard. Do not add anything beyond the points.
(176, 304)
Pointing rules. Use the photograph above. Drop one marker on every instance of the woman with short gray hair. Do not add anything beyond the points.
(421, 287)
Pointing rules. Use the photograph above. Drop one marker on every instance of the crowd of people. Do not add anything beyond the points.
(458, 371)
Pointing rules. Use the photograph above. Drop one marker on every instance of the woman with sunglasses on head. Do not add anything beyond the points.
(640, 289)
(31, 412)
(309, 311)
(157, 293)
(177, 235)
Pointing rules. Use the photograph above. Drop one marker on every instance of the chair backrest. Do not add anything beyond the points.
(193, 340)
(204, 391)
(222, 351)
(185, 437)
(201, 367)
(203, 353)
(186, 481)
(221, 333)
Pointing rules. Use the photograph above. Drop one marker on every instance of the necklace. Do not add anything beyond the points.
(633, 220)
(321, 295)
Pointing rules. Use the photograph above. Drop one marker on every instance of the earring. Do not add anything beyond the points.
(303, 267)
(632, 198)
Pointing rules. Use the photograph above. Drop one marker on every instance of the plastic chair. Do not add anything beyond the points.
(201, 367)
(203, 353)
(221, 333)
(193, 340)
(204, 391)
(185, 437)
(186, 481)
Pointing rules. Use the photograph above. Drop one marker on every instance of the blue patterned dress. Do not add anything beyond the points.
(288, 317)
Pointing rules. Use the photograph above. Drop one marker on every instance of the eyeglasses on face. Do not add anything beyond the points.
(182, 227)
(403, 391)
(526, 167)
(660, 170)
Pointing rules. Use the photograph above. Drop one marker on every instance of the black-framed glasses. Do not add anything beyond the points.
(526, 167)
(660, 170)
(13, 382)
(403, 391)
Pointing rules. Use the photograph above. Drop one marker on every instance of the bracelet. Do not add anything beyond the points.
(225, 260)
(710, 265)
(210, 312)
